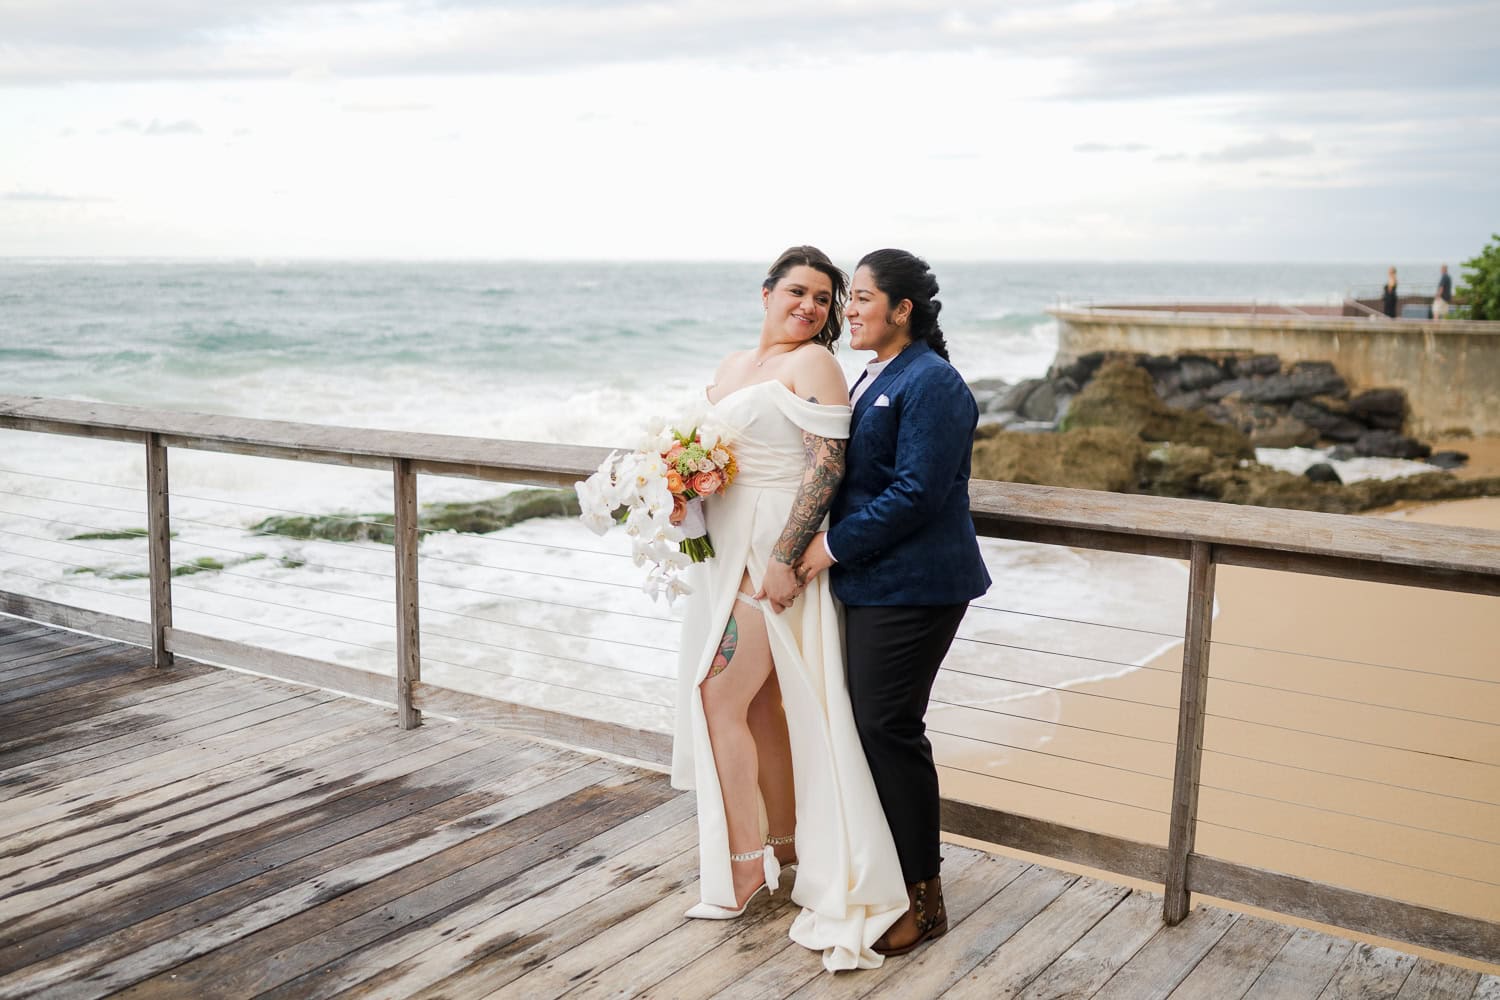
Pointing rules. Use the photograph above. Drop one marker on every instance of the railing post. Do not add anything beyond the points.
(408, 631)
(1190, 714)
(159, 548)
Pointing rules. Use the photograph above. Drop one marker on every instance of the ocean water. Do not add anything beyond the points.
(577, 353)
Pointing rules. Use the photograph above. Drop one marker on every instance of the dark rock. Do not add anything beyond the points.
(1258, 364)
(1447, 459)
(1081, 370)
(1121, 396)
(1297, 385)
(1095, 458)
(1157, 364)
(1228, 388)
(1332, 426)
(1314, 368)
(1186, 400)
(1012, 399)
(1195, 372)
(1342, 453)
(1389, 444)
(1285, 431)
(1040, 403)
(1322, 473)
(988, 385)
(1384, 409)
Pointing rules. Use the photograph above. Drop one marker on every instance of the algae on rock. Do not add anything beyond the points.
(467, 517)
(1122, 396)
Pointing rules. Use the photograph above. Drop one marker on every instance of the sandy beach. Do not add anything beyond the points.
(1353, 733)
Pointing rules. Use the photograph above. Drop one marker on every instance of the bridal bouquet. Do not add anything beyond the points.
(657, 492)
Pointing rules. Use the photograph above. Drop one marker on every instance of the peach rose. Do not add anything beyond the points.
(679, 508)
(674, 482)
(706, 483)
(671, 453)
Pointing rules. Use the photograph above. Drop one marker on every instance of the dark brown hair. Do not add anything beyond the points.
(806, 256)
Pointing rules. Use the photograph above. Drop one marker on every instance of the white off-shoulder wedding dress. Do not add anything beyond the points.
(849, 881)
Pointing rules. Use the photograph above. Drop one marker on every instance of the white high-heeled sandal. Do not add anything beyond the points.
(709, 911)
(782, 842)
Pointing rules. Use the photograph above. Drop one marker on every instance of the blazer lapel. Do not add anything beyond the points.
(898, 364)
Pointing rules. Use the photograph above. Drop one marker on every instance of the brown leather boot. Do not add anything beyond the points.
(926, 918)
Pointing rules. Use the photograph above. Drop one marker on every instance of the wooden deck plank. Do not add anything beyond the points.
(181, 739)
(1369, 973)
(1431, 980)
(320, 934)
(184, 837)
(19, 895)
(181, 715)
(785, 965)
(1168, 958)
(364, 860)
(1109, 944)
(681, 942)
(83, 706)
(495, 936)
(1013, 966)
(1232, 965)
(76, 666)
(253, 733)
(303, 770)
(102, 695)
(986, 905)
(769, 963)
(308, 834)
(27, 659)
(1302, 968)
(676, 884)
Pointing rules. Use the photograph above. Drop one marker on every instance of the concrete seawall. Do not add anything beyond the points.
(1449, 369)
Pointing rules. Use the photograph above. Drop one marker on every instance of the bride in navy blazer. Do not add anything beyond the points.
(904, 559)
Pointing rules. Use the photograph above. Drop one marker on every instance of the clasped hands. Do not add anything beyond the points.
(784, 583)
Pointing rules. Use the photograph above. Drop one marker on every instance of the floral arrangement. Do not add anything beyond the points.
(657, 493)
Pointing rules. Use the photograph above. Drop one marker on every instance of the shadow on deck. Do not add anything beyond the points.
(203, 833)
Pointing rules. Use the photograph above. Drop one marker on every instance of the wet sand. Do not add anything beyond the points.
(1353, 733)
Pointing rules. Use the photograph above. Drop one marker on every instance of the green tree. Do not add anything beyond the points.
(1480, 290)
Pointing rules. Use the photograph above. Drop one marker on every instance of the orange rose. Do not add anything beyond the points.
(671, 453)
(675, 483)
(679, 507)
(706, 483)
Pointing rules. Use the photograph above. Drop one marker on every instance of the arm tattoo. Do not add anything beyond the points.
(820, 481)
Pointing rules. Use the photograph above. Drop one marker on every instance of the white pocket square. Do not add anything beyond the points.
(881, 400)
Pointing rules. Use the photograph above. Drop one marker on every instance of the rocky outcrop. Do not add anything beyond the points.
(1187, 426)
(1121, 397)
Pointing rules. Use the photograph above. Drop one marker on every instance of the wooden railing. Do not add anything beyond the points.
(1206, 535)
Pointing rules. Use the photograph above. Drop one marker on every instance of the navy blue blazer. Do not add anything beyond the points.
(900, 524)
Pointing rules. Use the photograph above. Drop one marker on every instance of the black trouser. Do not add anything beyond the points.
(892, 655)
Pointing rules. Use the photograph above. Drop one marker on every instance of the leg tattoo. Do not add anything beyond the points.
(727, 646)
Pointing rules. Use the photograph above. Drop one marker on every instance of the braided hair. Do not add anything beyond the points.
(903, 275)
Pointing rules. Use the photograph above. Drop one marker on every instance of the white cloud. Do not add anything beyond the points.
(675, 128)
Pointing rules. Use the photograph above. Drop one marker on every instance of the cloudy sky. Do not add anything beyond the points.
(684, 129)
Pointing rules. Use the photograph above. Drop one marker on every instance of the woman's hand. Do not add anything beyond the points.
(815, 559)
(779, 586)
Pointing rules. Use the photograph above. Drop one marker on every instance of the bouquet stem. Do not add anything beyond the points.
(697, 549)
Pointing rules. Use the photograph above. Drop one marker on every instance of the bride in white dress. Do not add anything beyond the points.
(764, 732)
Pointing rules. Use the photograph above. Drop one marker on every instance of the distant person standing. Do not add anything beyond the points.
(1388, 299)
(1443, 300)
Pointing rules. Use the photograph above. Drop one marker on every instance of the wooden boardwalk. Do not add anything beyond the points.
(202, 833)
